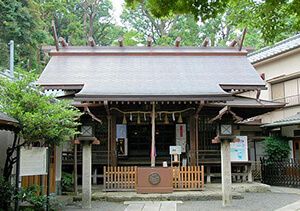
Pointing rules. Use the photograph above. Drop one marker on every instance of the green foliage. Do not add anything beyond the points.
(43, 118)
(67, 182)
(32, 195)
(204, 9)
(277, 148)
(6, 193)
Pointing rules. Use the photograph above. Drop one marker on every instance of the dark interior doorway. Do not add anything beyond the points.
(139, 140)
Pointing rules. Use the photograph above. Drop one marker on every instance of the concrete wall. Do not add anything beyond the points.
(280, 66)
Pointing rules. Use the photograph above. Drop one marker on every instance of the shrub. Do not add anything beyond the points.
(277, 148)
(6, 193)
(67, 182)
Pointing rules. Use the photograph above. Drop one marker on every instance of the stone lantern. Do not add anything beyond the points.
(226, 120)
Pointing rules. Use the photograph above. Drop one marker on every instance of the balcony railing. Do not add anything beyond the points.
(290, 100)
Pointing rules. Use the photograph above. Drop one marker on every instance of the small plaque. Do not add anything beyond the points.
(154, 178)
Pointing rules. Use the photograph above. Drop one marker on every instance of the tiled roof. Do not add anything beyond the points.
(6, 118)
(291, 120)
(132, 73)
(271, 51)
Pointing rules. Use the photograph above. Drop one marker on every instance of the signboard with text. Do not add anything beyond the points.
(33, 161)
(239, 150)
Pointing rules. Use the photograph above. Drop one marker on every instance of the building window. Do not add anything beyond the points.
(287, 92)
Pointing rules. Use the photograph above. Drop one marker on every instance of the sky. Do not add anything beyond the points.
(117, 9)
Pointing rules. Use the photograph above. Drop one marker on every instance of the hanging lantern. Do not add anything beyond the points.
(124, 122)
(180, 119)
(138, 119)
(166, 121)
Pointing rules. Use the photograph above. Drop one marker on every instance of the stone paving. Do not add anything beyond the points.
(262, 198)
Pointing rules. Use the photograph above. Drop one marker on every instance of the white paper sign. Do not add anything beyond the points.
(121, 131)
(239, 150)
(175, 150)
(181, 136)
(33, 161)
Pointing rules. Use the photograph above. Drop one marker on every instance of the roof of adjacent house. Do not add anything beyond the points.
(291, 120)
(274, 50)
(149, 73)
(7, 122)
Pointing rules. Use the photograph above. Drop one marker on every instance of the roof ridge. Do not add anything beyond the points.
(297, 36)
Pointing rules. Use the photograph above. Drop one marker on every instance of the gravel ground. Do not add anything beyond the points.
(252, 201)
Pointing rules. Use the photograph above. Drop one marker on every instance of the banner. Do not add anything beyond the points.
(181, 136)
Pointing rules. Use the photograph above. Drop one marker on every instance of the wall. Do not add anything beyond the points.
(6, 139)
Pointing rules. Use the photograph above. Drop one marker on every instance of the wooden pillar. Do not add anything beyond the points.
(75, 170)
(113, 142)
(153, 136)
(197, 138)
(58, 169)
(226, 173)
(192, 141)
(108, 139)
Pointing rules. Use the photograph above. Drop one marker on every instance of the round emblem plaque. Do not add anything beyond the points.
(154, 178)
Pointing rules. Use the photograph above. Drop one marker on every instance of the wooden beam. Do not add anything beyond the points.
(92, 42)
(177, 41)
(205, 42)
(242, 39)
(149, 41)
(201, 105)
(106, 107)
(55, 36)
(63, 42)
(121, 41)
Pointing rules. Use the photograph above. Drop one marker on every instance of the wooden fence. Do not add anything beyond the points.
(188, 178)
(123, 178)
(282, 173)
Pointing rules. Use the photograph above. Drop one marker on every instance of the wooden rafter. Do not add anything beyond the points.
(205, 42)
(149, 41)
(177, 41)
(55, 36)
(87, 111)
(63, 42)
(121, 41)
(92, 42)
(242, 39)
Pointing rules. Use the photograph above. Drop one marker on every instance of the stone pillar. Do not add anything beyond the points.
(86, 175)
(226, 172)
(58, 166)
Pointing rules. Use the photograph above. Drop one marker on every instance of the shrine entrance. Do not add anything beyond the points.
(139, 141)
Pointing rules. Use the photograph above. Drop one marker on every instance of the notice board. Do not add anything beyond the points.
(33, 161)
(239, 150)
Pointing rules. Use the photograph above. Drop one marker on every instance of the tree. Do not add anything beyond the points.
(43, 118)
(277, 148)
(203, 10)
(20, 21)
(79, 19)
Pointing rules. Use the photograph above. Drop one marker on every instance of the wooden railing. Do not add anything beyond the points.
(188, 178)
(124, 178)
(121, 178)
